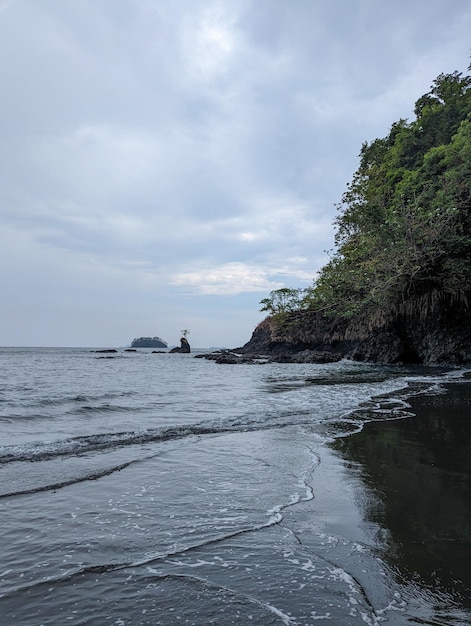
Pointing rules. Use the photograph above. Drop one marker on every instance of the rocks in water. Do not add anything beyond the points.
(307, 356)
(227, 357)
(184, 347)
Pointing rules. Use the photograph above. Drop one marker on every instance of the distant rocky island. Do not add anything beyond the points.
(149, 342)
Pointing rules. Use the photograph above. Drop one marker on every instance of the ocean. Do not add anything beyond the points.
(140, 488)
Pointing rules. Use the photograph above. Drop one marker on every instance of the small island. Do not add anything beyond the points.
(149, 342)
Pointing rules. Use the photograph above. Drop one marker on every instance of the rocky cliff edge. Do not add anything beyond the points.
(429, 331)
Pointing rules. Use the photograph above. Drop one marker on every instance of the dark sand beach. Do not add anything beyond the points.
(141, 492)
(414, 483)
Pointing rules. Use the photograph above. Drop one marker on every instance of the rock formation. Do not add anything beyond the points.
(184, 347)
(431, 332)
(227, 357)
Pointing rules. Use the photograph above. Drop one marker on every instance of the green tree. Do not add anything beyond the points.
(282, 300)
(404, 224)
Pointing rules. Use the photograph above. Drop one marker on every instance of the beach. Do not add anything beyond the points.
(415, 485)
(155, 490)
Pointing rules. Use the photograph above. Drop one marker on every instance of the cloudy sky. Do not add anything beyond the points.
(165, 164)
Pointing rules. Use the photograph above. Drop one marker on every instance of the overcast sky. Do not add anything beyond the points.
(165, 164)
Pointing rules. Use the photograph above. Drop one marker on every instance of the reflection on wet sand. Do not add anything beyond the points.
(419, 472)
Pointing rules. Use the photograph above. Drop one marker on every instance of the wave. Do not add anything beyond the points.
(105, 408)
(81, 398)
(44, 451)
(66, 483)
(77, 404)
(341, 424)
(274, 517)
(391, 404)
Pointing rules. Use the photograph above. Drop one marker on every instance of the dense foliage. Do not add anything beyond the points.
(404, 224)
(148, 342)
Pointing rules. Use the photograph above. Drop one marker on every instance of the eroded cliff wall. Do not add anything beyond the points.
(425, 332)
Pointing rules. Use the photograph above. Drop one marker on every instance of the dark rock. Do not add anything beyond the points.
(158, 352)
(130, 350)
(107, 351)
(282, 358)
(219, 356)
(228, 359)
(314, 356)
(184, 347)
(429, 329)
(307, 356)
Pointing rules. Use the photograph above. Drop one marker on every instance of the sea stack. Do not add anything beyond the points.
(184, 347)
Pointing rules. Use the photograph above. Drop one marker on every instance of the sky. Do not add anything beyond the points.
(165, 164)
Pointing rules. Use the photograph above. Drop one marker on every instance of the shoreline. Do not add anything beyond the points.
(417, 473)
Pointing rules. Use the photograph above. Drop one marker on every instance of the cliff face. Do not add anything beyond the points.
(431, 334)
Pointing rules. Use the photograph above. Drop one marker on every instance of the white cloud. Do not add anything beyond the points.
(238, 277)
(209, 41)
(228, 279)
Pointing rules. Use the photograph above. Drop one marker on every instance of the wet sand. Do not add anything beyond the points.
(417, 474)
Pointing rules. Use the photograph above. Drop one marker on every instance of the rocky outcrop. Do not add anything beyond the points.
(441, 338)
(184, 347)
(307, 356)
(226, 357)
(430, 330)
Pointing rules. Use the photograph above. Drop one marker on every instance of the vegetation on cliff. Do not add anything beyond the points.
(403, 231)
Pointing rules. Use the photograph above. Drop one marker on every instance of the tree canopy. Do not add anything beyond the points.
(148, 342)
(404, 223)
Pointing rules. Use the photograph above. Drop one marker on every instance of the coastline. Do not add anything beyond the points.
(268, 522)
(414, 477)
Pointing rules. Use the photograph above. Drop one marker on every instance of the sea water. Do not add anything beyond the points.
(142, 488)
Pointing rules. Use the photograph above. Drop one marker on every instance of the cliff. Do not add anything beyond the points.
(430, 330)
(397, 285)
